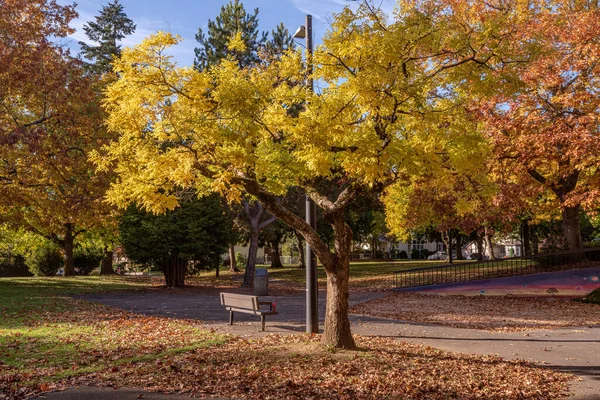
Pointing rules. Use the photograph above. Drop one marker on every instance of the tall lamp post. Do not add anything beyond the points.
(312, 294)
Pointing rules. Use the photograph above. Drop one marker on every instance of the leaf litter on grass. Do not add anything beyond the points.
(299, 367)
(493, 313)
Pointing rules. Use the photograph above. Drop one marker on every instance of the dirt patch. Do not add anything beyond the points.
(503, 314)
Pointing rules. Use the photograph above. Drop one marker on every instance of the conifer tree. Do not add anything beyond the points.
(111, 26)
(233, 19)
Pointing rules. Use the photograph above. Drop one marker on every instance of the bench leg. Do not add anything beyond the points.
(230, 317)
(262, 323)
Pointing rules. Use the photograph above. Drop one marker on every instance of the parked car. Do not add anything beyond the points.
(475, 256)
(438, 255)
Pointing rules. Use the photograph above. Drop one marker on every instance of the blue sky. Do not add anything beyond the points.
(184, 17)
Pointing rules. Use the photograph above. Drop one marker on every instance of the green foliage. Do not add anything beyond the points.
(45, 260)
(593, 297)
(13, 266)
(110, 26)
(240, 259)
(403, 255)
(232, 20)
(198, 230)
(87, 258)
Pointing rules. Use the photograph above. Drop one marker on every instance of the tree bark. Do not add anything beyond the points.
(447, 239)
(107, 263)
(526, 239)
(571, 228)
(570, 214)
(174, 270)
(167, 268)
(373, 248)
(181, 270)
(488, 244)
(251, 262)
(275, 259)
(337, 324)
(337, 265)
(300, 249)
(68, 250)
(459, 255)
(254, 214)
(535, 246)
(479, 241)
(232, 265)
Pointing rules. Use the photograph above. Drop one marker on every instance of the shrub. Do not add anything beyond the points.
(425, 253)
(45, 260)
(85, 260)
(240, 260)
(593, 297)
(13, 266)
(414, 254)
(403, 255)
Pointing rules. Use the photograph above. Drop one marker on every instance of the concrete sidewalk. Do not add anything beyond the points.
(575, 351)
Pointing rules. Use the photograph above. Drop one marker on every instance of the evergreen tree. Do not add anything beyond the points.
(280, 42)
(232, 19)
(195, 234)
(111, 26)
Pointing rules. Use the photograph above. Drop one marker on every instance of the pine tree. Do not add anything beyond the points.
(111, 26)
(280, 42)
(232, 19)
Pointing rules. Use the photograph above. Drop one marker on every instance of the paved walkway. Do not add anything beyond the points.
(572, 350)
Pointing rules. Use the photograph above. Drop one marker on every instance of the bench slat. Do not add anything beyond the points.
(240, 301)
(245, 304)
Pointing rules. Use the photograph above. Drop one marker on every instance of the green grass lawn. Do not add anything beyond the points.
(364, 275)
(49, 340)
(46, 335)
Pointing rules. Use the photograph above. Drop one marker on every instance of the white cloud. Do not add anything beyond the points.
(324, 9)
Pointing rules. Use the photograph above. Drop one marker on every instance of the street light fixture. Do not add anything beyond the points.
(312, 294)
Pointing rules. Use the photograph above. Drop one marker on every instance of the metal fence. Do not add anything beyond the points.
(470, 271)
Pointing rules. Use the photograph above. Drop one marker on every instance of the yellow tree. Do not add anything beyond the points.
(259, 131)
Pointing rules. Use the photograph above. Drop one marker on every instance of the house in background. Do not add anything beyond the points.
(503, 248)
(389, 248)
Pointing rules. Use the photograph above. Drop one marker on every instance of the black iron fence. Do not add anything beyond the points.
(471, 271)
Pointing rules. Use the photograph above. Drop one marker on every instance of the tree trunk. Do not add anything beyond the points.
(251, 262)
(180, 270)
(68, 250)
(479, 241)
(535, 247)
(232, 265)
(107, 263)
(447, 239)
(459, 255)
(300, 249)
(571, 229)
(174, 270)
(337, 324)
(525, 239)
(373, 251)
(488, 244)
(166, 265)
(275, 259)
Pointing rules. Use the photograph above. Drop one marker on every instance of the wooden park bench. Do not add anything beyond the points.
(246, 304)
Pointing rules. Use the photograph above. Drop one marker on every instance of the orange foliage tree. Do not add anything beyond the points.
(50, 119)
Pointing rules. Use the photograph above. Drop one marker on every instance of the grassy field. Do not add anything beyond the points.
(45, 335)
(49, 340)
(364, 275)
